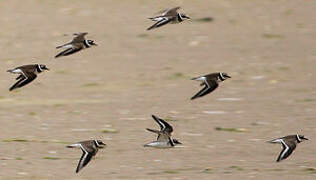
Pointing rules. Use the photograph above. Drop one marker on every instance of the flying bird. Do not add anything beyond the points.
(164, 139)
(288, 145)
(27, 74)
(210, 83)
(168, 16)
(89, 149)
(78, 43)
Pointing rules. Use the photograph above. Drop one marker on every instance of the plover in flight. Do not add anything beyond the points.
(27, 74)
(168, 16)
(78, 43)
(210, 83)
(164, 139)
(288, 144)
(89, 149)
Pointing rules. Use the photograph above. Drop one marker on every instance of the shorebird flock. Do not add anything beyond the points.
(28, 73)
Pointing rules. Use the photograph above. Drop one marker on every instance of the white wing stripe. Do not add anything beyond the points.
(162, 124)
(208, 87)
(286, 149)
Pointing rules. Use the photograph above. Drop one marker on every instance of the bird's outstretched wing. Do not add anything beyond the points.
(23, 80)
(171, 12)
(84, 160)
(68, 51)
(161, 135)
(164, 126)
(163, 21)
(210, 85)
(79, 37)
(287, 150)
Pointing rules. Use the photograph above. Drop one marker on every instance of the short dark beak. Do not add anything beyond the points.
(95, 44)
(103, 146)
(305, 138)
(47, 69)
(228, 76)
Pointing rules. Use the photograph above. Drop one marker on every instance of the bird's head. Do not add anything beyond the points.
(225, 75)
(300, 138)
(99, 144)
(91, 43)
(183, 16)
(42, 67)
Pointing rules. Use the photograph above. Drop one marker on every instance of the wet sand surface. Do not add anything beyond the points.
(110, 91)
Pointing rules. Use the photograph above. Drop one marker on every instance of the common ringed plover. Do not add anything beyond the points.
(288, 144)
(27, 74)
(89, 149)
(168, 16)
(164, 139)
(78, 43)
(210, 82)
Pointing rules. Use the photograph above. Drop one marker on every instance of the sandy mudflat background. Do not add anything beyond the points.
(110, 91)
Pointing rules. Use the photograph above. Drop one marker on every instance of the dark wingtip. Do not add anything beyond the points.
(77, 170)
(153, 116)
(150, 28)
(12, 88)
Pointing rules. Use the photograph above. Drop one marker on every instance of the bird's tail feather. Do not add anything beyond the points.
(73, 146)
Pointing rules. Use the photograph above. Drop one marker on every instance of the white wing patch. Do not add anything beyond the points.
(158, 18)
(17, 71)
(202, 78)
(68, 46)
(162, 124)
(277, 141)
(75, 145)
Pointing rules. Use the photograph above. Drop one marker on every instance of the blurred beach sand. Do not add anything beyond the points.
(110, 91)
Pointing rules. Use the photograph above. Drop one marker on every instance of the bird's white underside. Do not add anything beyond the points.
(158, 144)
